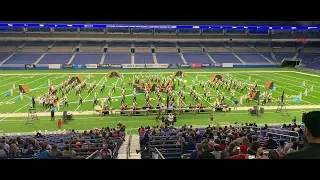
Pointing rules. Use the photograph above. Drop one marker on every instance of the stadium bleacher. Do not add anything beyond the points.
(177, 143)
(182, 46)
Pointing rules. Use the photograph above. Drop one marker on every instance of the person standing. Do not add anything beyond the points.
(52, 113)
(33, 102)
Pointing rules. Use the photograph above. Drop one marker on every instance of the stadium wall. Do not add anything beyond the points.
(131, 66)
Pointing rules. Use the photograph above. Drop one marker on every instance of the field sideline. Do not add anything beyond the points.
(287, 80)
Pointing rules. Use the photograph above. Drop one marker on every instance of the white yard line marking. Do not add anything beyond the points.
(6, 79)
(298, 72)
(285, 88)
(289, 78)
(298, 78)
(26, 104)
(290, 89)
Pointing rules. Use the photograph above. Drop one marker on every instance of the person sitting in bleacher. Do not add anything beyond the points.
(197, 152)
(55, 152)
(43, 153)
(270, 143)
(27, 151)
(3, 151)
(67, 152)
(206, 154)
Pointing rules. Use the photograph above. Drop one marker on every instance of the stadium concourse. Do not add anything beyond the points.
(152, 96)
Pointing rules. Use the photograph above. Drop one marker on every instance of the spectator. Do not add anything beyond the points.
(294, 148)
(27, 151)
(5, 145)
(245, 141)
(312, 134)
(13, 150)
(43, 153)
(230, 148)
(253, 148)
(239, 139)
(217, 152)
(280, 149)
(3, 151)
(223, 145)
(289, 145)
(197, 152)
(242, 153)
(55, 152)
(260, 154)
(19, 140)
(270, 143)
(224, 154)
(273, 154)
(67, 152)
(206, 154)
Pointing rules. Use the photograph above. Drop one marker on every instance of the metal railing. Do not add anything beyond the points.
(283, 133)
(157, 154)
(129, 146)
(93, 154)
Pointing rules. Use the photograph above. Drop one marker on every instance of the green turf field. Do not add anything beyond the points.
(284, 79)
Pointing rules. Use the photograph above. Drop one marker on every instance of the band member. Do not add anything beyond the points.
(113, 87)
(109, 98)
(222, 96)
(65, 101)
(264, 100)
(248, 97)
(303, 83)
(232, 96)
(122, 99)
(270, 97)
(95, 99)
(311, 89)
(80, 100)
(208, 96)
(134, 97)
(130, 82)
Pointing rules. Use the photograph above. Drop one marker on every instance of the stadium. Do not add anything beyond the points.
(156, 91)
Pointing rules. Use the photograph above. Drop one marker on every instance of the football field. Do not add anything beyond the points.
(287, 80)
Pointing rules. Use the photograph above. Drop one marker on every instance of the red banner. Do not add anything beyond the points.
(196, 65)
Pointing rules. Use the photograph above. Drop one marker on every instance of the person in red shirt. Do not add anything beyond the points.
(117, 135)
(223, 145)
(59, 123)
(243, 153)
